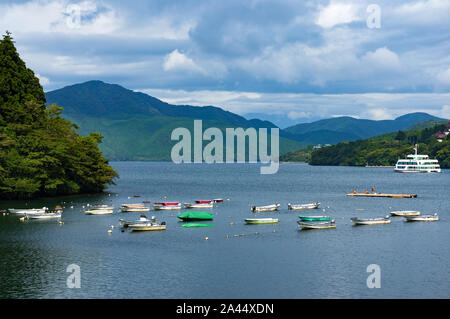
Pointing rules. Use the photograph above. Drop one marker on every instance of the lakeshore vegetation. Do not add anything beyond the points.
(42, 154)
(385, 150)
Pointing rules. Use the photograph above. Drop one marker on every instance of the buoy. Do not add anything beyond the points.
(206, 238)
(109, 231)
(165, 197)
(227, 236)
(112, 226)
(61, 223)
(232, 223)
(273, 231)
(22, 219)
(256, 233)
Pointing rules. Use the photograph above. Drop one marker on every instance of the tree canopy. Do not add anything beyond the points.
(41, 154)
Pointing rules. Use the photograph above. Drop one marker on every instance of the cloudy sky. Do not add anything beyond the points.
(289, 61)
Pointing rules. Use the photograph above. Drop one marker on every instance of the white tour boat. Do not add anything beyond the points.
(417, 163)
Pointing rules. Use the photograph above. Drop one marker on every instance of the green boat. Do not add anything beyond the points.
(196, 216)
(314, 218)
(189, 225)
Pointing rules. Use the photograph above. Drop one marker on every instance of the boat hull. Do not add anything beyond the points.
(99, 211)
(423, 218)
(268, 208)
(146, 227)
(166, 207)
(371, 221)
(303, 206)
(405, 213)
(317, 225)
(315, 218)
(44, 216)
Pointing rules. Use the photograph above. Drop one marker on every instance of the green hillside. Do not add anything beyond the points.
(385, 150)
(136, 126)
(339, 129)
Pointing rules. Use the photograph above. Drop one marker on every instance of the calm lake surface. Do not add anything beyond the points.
(264, 261)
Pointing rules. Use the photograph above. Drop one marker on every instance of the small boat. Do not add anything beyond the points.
(199, 205)
(303, 206)
(315, 218)
(261, 220)
(136, 195)
(317, 225)
(99, 210)
(422, 218)
(29, 211)
(133, 208)
(146, 201)
(268, 208)
(51, 215)
(371, 221)
(203, 201)
(166, 206)
(196, 216)
(405, 213)
(144, 224)
(218, 200)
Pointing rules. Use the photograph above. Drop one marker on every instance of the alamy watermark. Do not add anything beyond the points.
(214, 151)
(74, 279)
(374, 279)
(373, 20)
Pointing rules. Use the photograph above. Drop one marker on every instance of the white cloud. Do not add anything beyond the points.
(294, 115)
(42, 79)
(338, 13)
(58, 16)
(177, 60)
(382, 58)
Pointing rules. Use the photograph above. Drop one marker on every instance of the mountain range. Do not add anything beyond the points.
(137, 126)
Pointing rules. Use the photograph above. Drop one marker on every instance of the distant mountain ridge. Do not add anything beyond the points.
(122, 116)
(137, 126)
(328, 131)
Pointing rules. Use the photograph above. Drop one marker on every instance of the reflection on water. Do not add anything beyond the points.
(238, 260)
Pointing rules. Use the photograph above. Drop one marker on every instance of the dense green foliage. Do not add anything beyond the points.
(385, 150)
(303, 155)
(41, 153)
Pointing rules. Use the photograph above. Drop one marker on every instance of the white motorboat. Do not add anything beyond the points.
(317, 225)
(198, 205)
(422, 218)
(417, 163)
(51, 215)
(167, 206)
(303, 206)
(29, 211)
(134, 208)
(99, 210)
(144, 224)
(267, 208)
(371, 221)
(405, 213)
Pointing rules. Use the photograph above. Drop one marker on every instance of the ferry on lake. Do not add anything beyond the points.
(417, 163)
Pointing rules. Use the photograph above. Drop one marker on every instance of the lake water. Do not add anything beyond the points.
(263, 261)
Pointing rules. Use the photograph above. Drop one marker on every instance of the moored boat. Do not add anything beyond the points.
(144, 224)
(315, 218)
(422, 218)
(27, 211)
(199, 205)
(48, 215)
(203, 201)
(218, 200)
(134, 208)
(303, 206)
(196, 216)
(166, 206)
(261, 220)
(417, 163)
(317, 225)
(267, 208)
(99, 210)
(405, 213)
(371, 221)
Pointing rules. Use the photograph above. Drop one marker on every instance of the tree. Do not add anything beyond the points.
(41, 154)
